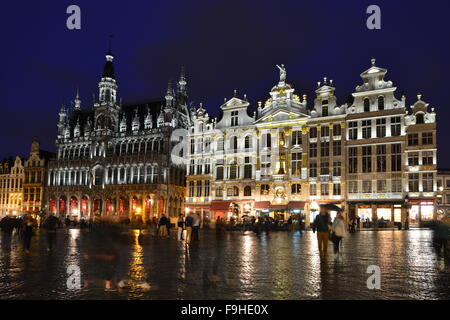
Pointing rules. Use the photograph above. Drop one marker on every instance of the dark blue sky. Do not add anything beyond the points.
(224, 45)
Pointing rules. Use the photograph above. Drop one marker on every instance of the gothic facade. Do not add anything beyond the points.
(373, 157)
(114, 160)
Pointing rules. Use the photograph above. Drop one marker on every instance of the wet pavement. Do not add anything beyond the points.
(238, 265)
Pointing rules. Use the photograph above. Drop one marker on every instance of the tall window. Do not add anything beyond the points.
(219, 173)
(313, 132)
(265, 161)
(366, 129)
(199, 167)
(366, 105)
(396, 157)
(367, 186)
(381, 186)
(337, 169)
(248, 142)
(413, 139)
(381, 128)
(313, 170)
(413, 158)
(353, 130)
(208, 166)
(396, 186)
(427, 182)
(353, 160)
(427, 158)
(296, 163)
(337, 130)
(267, 140)
(324, 149)
(296, 138)
(324, 168)
(192, 167)
(247, 191)
(337, 148)
(220, 144)
(381, 158)
(325, 131)
(353, 187)
(234, 118)
(207, 144)
(413, 182)
(192, 146)
(247, 168)
(324, 108)
(324, 189)
(219, 192)
(234, 144)
(233, 171)
(313, 150)
(427, 138)
(191, 189)
(337, 189)
(381, 103)
(367, 159)
(199, 188)
(395, 126)
(313, 189)
(207, 188)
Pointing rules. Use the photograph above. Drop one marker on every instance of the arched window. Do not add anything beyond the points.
(248, 142)
(366, 105)
(220, 144)
(247, 191)
(420, 118)
(236, 191)
(265, 188)
(381, 103)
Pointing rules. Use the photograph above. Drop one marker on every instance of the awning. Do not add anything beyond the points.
(261, 205)
(299, 205)
(220, 205)
(278, 206)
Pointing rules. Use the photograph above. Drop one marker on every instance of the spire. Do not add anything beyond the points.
(77, 100)
(108, 70)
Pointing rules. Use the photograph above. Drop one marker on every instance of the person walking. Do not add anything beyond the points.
(338, 232)
(50, 225)
(196, 226)
(27, 232)
(188, 223)
(162, 226)
(322, 225)
(180, 225)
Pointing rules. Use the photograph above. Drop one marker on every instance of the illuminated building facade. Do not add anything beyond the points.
(114, 159)
(11, 186)
(286, 158)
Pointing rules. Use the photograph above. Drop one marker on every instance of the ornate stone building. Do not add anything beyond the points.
(286, 158)
(114, 159)
(11, 186)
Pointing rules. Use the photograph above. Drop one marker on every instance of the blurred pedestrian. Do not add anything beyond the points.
(188, 222)
(162, 227)
(338, 232)
(50, 225)
(27, 232)
(322, 225)
(180, 225)
(196, 226)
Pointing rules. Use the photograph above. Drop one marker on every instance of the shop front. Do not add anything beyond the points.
(421, 211)
(386, 213)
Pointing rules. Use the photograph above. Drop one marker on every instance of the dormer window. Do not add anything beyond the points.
(366, 105)
(234, 118)
(381, 103)
(420, 118)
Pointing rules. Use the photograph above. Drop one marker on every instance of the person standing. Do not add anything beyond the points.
(188, 223)
(50, 225)
(196, 226)
(180, 225)
(162, 229)
(27, 232)
(339, 232)
(322, 225)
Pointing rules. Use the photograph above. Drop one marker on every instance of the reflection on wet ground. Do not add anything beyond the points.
(235, 266)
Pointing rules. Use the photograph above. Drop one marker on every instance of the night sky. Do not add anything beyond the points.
(224, 45)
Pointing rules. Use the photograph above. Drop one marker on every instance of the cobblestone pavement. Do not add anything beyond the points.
(238, 265)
